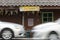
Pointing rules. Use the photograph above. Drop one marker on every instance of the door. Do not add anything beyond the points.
(28, 20)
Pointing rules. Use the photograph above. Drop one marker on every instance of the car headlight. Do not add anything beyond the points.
(17, 27)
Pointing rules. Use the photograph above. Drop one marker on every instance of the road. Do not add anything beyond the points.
(27, 39)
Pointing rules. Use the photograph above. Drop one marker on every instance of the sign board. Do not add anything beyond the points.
(30, 22)
(29, 8)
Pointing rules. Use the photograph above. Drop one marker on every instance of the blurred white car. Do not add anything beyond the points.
(9, 30)
(50, 30)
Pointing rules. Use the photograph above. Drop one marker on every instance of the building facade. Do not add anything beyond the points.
(29, 12)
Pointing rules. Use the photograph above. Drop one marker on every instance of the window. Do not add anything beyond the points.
(47, 17)
(1, 11)
(11, 12)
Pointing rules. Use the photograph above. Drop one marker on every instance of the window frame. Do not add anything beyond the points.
(47, 16)
(11, 12)
(1, 11)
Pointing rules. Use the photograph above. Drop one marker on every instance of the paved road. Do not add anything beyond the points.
(26, 39)
(29, 39)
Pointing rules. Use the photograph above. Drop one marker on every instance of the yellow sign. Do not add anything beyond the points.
(29, 8)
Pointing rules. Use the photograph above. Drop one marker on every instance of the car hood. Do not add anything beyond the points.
(8, 23)
(44, 25)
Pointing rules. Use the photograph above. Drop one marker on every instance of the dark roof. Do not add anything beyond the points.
(29, 2)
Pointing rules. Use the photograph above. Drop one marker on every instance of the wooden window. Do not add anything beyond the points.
(1, 11)
(11, 12)
(47, 17)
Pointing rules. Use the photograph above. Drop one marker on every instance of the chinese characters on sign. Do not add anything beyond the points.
(29, 8)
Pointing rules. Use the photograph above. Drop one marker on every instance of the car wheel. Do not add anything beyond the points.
(53, 37)
(6, 34)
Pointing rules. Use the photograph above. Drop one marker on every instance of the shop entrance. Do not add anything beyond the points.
(29, 16)
(30, 19)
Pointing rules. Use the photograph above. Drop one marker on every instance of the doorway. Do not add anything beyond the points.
(30, 19)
